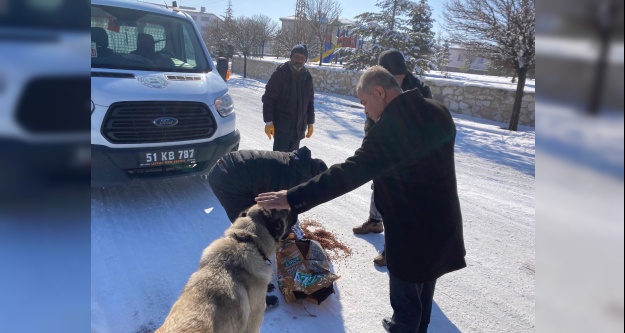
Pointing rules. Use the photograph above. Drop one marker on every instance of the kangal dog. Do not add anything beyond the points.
(227, 292)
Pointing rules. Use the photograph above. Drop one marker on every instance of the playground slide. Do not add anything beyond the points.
(327, 55)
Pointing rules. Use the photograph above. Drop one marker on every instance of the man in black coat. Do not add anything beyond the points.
(288, 102)
(239, 176)
(394, 62)
(409, 154)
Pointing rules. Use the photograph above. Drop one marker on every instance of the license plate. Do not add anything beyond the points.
(169, 157)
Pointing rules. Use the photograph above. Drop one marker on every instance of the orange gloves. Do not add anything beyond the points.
(270, 130)
(310, 131)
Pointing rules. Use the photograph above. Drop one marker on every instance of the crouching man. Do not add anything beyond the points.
(239, 176)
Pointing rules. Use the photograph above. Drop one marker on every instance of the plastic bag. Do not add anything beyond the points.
(304, 271)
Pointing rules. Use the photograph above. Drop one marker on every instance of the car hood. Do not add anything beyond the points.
(109, 87)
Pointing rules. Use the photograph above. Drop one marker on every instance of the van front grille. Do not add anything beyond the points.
(136, 122)
(55, 105)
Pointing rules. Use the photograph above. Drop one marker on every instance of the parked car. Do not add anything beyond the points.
(44, 97)
(159, 108)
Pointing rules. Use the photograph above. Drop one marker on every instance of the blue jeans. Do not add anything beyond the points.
(373, 210)
(412, 305)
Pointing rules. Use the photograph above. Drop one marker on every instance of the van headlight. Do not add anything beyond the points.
(224, 105)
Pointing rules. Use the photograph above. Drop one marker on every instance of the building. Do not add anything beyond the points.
(202, 18)
(460, 60)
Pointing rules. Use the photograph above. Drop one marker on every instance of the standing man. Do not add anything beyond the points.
(288, 102)
(394, 62)
(409, 154)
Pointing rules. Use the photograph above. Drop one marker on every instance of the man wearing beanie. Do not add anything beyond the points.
(288, 102)
(394, 62)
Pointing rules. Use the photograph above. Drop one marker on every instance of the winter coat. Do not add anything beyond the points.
(409, 154)
(289, 102)
(410, 82)
(239, 176)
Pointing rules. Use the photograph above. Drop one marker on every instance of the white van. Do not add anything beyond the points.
(159, 108)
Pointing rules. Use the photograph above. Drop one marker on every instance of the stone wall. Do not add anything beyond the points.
(476, 101)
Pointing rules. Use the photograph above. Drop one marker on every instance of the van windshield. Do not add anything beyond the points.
(124, 38)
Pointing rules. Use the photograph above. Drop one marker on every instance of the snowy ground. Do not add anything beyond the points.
(146, 238)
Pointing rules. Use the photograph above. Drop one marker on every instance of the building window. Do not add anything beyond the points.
(206, 19)
(480, 60)
(460, 57)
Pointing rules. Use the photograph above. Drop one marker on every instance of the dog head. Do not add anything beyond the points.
(277, 222)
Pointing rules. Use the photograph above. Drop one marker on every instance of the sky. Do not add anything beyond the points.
(281, 8)
(147, 238)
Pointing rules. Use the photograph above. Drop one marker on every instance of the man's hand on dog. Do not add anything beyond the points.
(273, 200)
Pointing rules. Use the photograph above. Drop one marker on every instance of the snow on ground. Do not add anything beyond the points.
(147, 237)
(581, 219)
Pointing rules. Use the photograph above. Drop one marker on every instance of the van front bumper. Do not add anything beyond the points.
(112, 166)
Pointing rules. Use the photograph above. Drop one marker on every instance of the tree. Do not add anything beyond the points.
(245, 38)
(286, 38)
(441, 56)
(267, 31)
(395, 27)
(319, 15)
(217, 41)
(503, 30)
(421, 24)
(228, 28)
(605, 24)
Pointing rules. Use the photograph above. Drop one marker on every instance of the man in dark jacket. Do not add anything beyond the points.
(239, 176)
(288, 102)
(394, 62)
(409, 154)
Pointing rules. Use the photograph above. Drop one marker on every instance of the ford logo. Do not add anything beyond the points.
(165, 121)
(153, 81)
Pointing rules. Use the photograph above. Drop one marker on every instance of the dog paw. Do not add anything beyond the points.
(271, 302)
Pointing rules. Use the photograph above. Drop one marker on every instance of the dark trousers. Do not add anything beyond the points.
(412, 305)
(284, 144)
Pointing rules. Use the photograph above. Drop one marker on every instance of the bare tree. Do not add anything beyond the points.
(245, 38)
(605, 24)
(497, 29)
(319, 15)
(286, 38)
(216, 39)
(268, 29)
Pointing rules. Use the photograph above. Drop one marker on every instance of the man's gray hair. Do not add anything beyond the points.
(377, 76)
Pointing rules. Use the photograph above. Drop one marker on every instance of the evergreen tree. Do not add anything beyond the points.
(228, 29)
(441, 55)
(421, 24)
(401, 25)
(229, 15)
